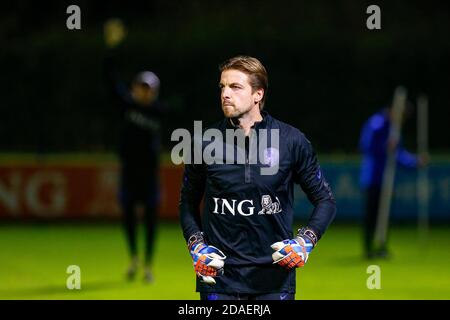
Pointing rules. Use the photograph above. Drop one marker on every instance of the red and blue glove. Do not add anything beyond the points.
(208, 260)
(294, 253)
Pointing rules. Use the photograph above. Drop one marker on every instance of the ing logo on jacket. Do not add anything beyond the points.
(269, 207)
(245, 207)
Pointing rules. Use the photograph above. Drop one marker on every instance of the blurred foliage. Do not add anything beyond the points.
(327, 71)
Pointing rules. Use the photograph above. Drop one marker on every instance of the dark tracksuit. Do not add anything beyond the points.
(373, 146)
(139, 158)
(233, 218)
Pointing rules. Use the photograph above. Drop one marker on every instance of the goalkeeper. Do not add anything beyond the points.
(242, 245)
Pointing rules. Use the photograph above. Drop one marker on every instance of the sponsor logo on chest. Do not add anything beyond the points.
(246, 207)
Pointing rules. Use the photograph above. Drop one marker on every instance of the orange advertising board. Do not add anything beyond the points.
(74, 191)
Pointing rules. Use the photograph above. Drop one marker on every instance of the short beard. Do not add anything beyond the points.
(236, 116)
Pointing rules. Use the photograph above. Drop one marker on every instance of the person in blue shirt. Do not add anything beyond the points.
(374, 144)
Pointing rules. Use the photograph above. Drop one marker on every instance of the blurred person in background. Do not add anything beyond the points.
(139, 148)
(374, 145)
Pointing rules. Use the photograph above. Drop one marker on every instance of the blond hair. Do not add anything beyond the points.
(251, 67)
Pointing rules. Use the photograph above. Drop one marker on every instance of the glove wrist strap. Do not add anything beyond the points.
(310, 234)
(194, 239)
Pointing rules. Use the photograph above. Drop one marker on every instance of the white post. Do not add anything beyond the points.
(422, 175)
(387, 186)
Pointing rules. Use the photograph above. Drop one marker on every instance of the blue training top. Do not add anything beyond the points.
(373, 146)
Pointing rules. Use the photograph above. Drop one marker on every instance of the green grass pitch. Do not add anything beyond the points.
(34, 259)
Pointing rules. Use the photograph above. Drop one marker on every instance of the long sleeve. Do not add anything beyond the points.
(192, 190)
(308, 174)
(406, 159)
(117, 87)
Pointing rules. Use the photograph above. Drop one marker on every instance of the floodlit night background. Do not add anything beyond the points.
(59, 129)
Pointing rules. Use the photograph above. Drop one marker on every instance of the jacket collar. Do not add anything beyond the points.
(230, 123)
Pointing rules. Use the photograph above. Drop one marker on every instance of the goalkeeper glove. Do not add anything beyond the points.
(208, 260)
(294, 253)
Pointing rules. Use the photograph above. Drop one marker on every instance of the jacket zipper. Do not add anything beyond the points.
(247, 162)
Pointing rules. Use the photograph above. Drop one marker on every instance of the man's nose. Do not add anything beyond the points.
(225, 92)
